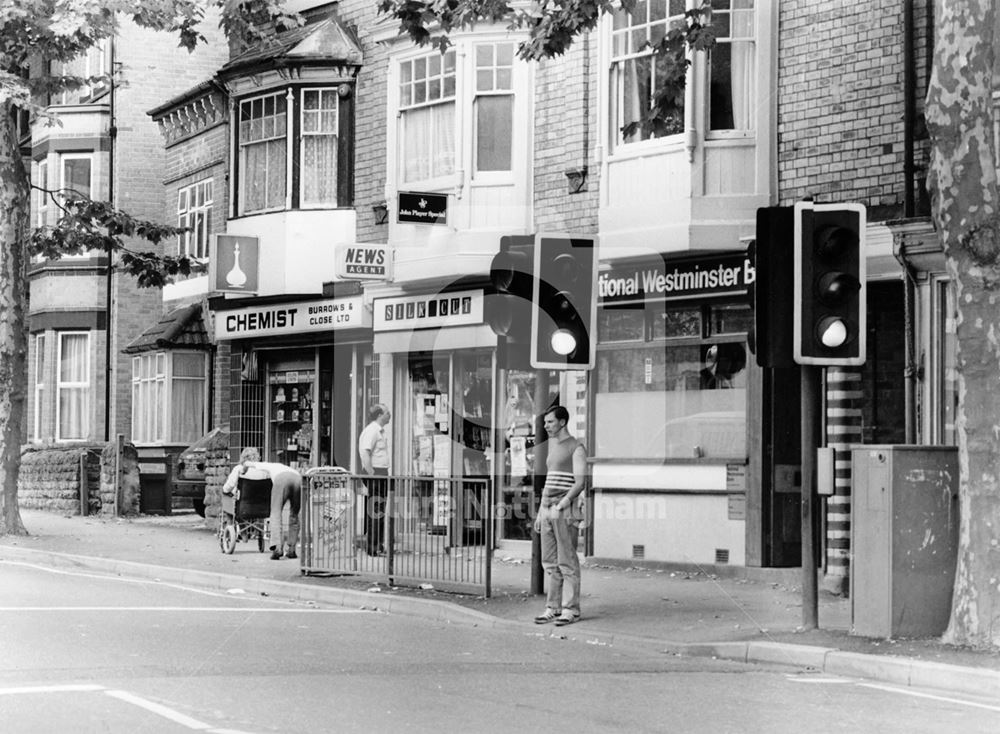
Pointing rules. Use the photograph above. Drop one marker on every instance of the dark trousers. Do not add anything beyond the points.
(375, 511)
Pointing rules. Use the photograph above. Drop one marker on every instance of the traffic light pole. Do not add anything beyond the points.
(538, 477)
(810, 433)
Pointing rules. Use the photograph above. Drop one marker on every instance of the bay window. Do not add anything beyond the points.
(169, 397)
(73, 417)
(292, 151)
(77, 173)
(670, 382)
(39, 379)
(42, 210)
(636, 71)
(427, 116)
(732, 65)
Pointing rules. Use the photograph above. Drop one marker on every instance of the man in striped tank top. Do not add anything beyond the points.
(558, 519)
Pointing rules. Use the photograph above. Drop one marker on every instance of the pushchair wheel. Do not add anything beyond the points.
(228, 539)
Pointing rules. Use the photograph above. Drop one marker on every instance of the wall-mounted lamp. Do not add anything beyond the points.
(577, 180)
(381, 212)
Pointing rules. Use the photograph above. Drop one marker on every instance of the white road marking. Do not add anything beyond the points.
(168, 713)
(804, 679)
(252, 610)
(919, 694)
(68, 688)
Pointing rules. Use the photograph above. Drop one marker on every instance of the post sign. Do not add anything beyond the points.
(417, 208)
(364, 262)
(234, 264)
(298, 317)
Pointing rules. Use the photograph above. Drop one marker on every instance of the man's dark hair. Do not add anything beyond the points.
(559, 412)
(375, 411)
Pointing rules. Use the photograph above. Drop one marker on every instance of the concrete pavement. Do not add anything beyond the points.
(755, 616)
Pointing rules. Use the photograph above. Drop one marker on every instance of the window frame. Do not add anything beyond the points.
(615, 96)
(430, 181)
(299, 137)
(492, 175)
(281, 93)
(39, 385)
(42, 207)
(64, 158)
(184, 216)
(84, 384)
(734, 133)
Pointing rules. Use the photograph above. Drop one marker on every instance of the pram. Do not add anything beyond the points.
(245, 513)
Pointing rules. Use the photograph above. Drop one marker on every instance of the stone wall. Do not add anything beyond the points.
(50, 479)
(130, 481)
(217, 468)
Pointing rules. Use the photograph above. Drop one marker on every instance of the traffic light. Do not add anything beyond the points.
(564, 302)
(829, 313)
(772, 298)
(508, 309)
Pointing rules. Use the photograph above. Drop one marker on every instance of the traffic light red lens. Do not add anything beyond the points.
(833, 242)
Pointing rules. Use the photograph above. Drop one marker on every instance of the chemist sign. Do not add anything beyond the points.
(364, 262)
(300, 317)
(234, 264)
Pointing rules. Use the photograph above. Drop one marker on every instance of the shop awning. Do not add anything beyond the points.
(182, 328)
(431, 340)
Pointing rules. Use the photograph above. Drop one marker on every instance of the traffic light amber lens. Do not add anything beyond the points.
(832, 332)
(563, 342)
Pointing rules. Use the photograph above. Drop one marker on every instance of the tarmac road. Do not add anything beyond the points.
(84, 651)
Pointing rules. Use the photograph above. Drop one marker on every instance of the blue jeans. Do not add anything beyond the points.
(560, 533)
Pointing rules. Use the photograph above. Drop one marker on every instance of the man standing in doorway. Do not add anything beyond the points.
(373, 446)
(559, 516)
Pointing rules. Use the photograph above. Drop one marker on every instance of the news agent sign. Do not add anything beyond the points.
(298, 317)
(363, 262)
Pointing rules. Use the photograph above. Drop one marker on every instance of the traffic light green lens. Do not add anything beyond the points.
(832, 333)
(563, 342)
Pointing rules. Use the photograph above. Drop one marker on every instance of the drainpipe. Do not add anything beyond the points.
(109, 282)
(910, 368)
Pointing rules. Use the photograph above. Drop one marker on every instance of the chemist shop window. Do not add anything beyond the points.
(169, 397)
(670, 382)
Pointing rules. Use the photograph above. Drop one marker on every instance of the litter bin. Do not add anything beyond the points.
(904, 539)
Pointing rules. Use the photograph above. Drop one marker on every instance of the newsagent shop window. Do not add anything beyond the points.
(169, 397)
(671, 382)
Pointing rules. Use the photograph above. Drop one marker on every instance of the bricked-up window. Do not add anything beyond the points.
(318, 164)
(263, 144)
(494, 106)
(73, 417)
(39, 374)
(169, 397)
(194, 213)
(732, 65)
(427, 116)
(636, 73)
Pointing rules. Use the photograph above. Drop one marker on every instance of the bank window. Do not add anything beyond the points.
(732, 65)
(39, 374)
(263, 129)
(427, 116)
(194, 214)
(637, 73)
(494, 106)
(73, 386)
(169, 397)
(679, 392)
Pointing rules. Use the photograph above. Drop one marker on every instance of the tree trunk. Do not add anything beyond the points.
(963, 187)
(14, 198)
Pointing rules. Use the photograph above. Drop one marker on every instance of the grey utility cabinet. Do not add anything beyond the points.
(904, 539)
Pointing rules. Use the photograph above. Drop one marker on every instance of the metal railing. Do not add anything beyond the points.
(441, 529)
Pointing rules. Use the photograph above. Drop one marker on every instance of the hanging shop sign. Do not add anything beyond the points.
(727, 275)
(300, 317)
(428, 311)
(364, 262)
(234, 263)
(417, 208)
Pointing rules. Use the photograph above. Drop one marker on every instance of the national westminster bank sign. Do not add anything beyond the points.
(665, 280)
